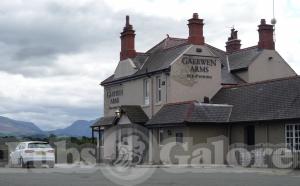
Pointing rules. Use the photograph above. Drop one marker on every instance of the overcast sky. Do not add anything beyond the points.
(54, 53)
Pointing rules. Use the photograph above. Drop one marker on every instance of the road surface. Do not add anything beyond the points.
(78, 176)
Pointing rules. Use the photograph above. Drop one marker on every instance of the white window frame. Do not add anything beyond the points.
(146, 90)
(158, 89)
(292, 136)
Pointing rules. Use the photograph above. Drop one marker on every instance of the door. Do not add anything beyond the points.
(250, 135)
(124, 146)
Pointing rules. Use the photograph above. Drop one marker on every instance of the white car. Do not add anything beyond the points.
(33, 153)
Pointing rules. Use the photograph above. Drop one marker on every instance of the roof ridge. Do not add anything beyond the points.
(242, 50)
(170, 48)
(162, 41)
(176, 46)
(177, 38)
(261, 82)
(148, 51)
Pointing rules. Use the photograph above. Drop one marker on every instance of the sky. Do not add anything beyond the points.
(54, 54)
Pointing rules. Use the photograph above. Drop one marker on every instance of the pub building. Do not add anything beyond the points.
(184, 88)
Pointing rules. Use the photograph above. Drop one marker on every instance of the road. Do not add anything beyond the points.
(159, 176)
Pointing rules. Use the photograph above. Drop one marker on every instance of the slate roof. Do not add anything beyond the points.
(227, 76)
(190, 112)
(135, 113)
(166, 43)
(161, 59)
(165, 52)
(240, 60)
(277, 99)
(267, 100)
(104, 121)
(156, 59)
(140, 59)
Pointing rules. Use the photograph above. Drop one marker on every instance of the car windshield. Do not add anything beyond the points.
(38, 145)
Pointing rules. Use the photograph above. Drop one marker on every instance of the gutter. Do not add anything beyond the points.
(133, 77)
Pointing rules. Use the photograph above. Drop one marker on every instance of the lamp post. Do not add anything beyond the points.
(118, 113)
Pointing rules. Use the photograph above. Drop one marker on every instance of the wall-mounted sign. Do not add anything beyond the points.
(113, 95)
(198, 67)
(192, 68)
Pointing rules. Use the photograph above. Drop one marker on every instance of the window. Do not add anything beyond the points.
(179, 137)
(38, 145)
(158, 89)
(146, 92)
(292, 136)
(160, 136)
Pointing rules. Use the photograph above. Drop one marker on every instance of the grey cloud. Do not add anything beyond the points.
(35, 34)
(32, 52)
(50, 30)
(34, 42)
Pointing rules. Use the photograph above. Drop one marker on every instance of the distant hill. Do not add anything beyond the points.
(10, 127)
(77, 129)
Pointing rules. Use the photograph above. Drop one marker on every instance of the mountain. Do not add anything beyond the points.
(10, 127)
(77, 129)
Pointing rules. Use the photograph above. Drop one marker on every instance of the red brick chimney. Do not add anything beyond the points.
(265, 32)
(196, 30)
(127, 41)
(233, 44)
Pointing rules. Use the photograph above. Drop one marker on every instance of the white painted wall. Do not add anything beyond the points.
(264, 69)
(133, 94)
(185, 89)
(177, 87)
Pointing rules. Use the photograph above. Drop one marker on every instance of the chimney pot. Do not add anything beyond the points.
(233, 44)
(196, 30)
(127, 20)
(195, 15)
(127, 41)
(266, 40)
